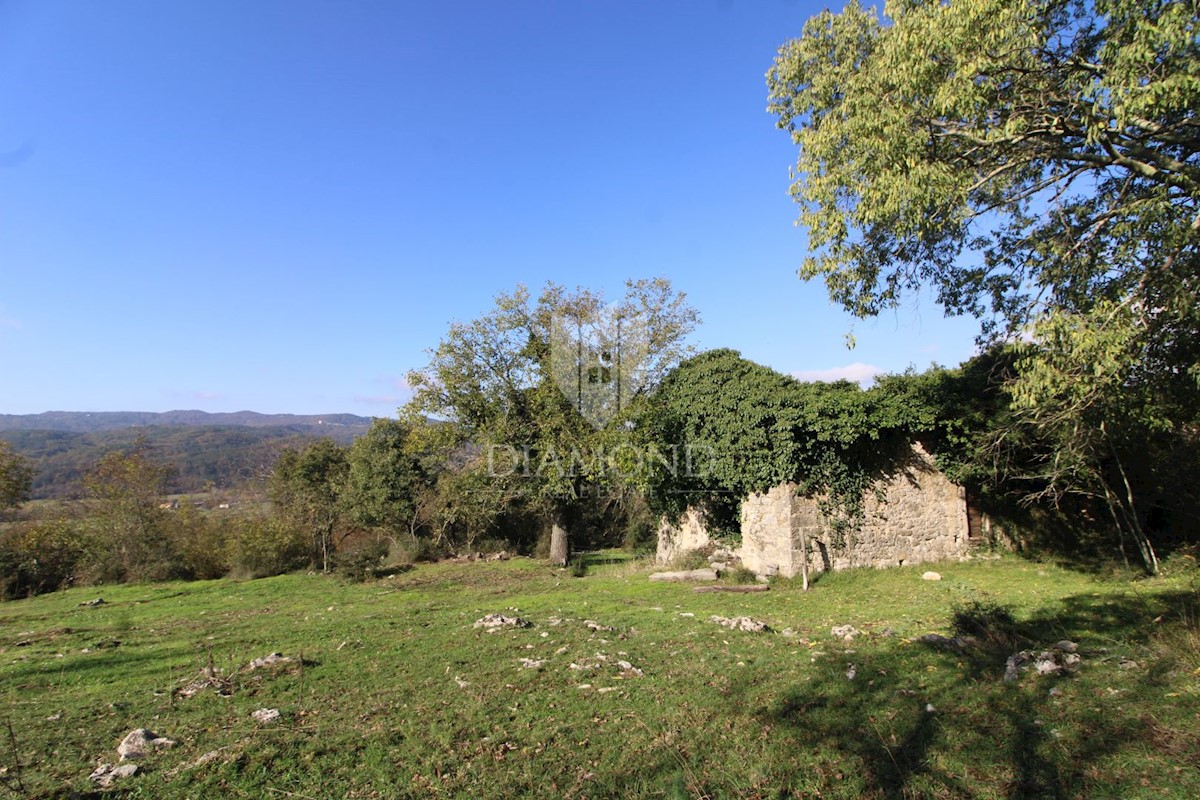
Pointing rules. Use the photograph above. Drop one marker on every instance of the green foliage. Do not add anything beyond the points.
(16, 477)
(728, 427)
(259, 547)
(509, 429)
(1015, 156)
(384, 478)
(41, 556)
(129, 540)
(306, 487)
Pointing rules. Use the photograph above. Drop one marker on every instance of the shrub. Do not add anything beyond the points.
(39, 557)
(260, 547)
(692, 559)
(360, 557)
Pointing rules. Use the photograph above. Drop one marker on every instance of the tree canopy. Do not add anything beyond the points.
(533, 392)
(1016, 156)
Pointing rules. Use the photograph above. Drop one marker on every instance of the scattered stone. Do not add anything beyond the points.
(734, 589)
(931, 576)
(271, 660)
(929, 708)
(210, 678)
(461, 683)
(1012, 666)
(494, 622)
(99, 601)
(606, 689)
(1066, 646)
(741, 624)
(104, 775)
(501, 556)
(844, 632)
(531, 663)
(686, 575)
(139, 742)
(1128, 663)
(628, 669)
(1047, 664)
(852, 672)
(55, 717)
(1055, 691)
(265, 715)
(686, 614)
(596, 626)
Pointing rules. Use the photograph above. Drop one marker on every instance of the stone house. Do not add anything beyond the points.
(915, 514)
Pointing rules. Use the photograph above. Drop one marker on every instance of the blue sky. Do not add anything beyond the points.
(279, 206)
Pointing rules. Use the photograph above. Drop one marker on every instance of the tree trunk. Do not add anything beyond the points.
(558, 541)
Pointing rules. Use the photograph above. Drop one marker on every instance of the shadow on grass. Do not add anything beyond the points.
(895, 720)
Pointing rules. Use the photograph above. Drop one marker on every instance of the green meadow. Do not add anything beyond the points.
(392, 691)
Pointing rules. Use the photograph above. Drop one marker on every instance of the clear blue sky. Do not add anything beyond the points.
(279, 206)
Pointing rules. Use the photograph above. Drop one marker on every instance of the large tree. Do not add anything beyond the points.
(534, 391)
(1018, 156)
(1037, 164)
(306, 487)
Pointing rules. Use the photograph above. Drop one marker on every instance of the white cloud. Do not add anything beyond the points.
(863, 374)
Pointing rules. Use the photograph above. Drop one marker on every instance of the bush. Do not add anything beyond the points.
(39, 557)
(259, 547)
(199, 545)
(692, 559)
(990, 624)
(406, 551)
(360, 557)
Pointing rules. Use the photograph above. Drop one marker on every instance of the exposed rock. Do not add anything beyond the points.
(501, 556)
(1066, 646)
(105, 774)
(931, 576)
(944, 642)
(532, 663)
(596, 626)
(735, 589)
(461, 683)
(741, 624)
(265, 715)
(844, 632)
(628, 669)
(1012, 666)
(686, 575)
(1048, 662)
(139, 742)
(494, 622)
(271, 660)
(852, 672)
(99, 601)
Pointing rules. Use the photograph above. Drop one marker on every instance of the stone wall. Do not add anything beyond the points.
(915, 515)
(689, 534)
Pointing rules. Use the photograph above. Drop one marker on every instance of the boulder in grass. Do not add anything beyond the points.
(141, 741)
(494, 622)
(686, 575)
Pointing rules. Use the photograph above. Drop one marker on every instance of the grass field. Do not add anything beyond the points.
(397, 695)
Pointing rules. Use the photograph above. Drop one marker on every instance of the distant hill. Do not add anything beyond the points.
(221, 450)
(347, 425)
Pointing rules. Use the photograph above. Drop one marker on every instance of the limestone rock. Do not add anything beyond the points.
(265, 715)
(931, 576)
(686, 575)
(139, 742)
(844, 632)
(104, 775)
(493, 622)
(271, 660)
(99, 601)
(741, 624)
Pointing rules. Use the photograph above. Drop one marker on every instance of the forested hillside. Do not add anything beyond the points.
(217, 456)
